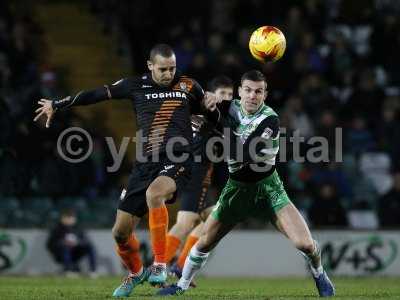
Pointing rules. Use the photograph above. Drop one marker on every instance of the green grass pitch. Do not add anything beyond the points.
(209, 288)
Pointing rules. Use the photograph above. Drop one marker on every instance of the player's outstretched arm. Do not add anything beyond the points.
(49, 107)
(220, 116)
(118, 90)
(210, 110)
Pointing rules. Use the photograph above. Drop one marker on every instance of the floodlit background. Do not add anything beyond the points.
(341, 69)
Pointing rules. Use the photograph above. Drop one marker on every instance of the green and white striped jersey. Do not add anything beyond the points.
(258, 134)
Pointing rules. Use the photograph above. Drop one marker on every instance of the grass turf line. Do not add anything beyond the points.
(55, 288)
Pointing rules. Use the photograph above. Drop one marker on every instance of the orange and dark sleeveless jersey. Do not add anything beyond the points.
(163, 113)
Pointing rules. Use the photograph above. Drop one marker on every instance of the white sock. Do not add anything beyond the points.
(193, 263)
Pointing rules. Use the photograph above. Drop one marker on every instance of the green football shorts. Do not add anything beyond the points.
(239, 200)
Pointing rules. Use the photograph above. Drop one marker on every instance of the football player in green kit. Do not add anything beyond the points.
(254, 188)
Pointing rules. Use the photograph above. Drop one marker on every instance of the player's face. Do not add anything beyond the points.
(252, 95)
(162, 69)
(224, 93)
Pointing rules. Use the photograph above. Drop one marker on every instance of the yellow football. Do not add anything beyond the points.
(267, 43)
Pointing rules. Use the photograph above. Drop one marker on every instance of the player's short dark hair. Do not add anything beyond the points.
(220, 82)
(163, 50)
(254, 75)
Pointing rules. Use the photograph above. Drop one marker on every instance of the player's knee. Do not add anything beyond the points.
(120, 235)
(155, 196)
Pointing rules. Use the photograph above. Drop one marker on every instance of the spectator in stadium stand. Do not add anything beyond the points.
(327, 210)
(68, 244)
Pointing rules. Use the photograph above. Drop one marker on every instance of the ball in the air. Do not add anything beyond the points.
(267, 43)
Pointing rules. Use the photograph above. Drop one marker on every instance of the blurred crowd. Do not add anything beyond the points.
(36, 184)
(341, 70)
